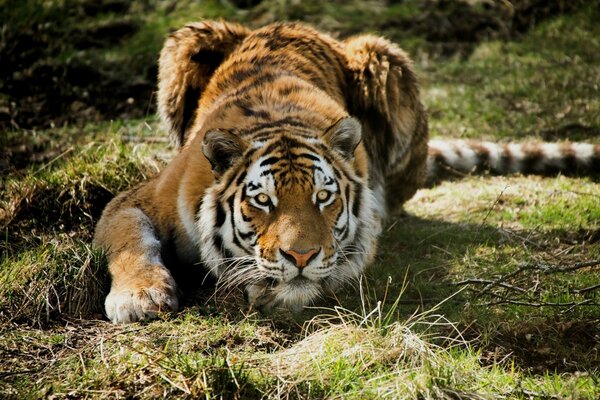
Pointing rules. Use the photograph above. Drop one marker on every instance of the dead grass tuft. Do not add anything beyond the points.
(67, 278)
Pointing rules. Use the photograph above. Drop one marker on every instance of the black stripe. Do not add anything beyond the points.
(241, 178)
(278, 123)
(197, 207)
(230, 202)
(246, 235)
(286, 143)
(344, 205)
(292, 88)
(218, 242)
(269, 161)
(268, 133)
(357, 199)
(230, 179)
(336, 171)
(347, 207)
(190, 105)
(238, 243)
(220, 217)
(269, 172)
(245, 217)
(306, 155)
(266, 77)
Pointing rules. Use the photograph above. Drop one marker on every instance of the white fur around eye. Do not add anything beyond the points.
(260, 183)
(262, 201)
(327, 198)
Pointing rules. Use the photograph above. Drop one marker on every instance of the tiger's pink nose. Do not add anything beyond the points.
(300, 258)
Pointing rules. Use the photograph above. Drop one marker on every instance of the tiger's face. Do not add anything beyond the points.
(286, 220)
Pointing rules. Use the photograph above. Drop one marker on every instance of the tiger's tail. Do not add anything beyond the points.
(454, 158)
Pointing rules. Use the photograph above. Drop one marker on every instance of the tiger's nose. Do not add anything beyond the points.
(300, 258)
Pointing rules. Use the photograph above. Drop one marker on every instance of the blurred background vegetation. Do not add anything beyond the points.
(88, 60)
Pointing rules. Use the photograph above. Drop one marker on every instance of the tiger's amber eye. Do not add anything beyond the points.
(262, 199)
(323, 195)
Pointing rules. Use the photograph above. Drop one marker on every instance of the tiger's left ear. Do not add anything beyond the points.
(344, 136)
(221, 149)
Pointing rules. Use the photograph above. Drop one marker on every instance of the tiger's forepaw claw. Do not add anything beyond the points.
(130, 305)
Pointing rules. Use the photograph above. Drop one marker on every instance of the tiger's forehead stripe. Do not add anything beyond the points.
(289, 160)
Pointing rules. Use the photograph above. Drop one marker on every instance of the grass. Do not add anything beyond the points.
(487, 290)
(540, 86)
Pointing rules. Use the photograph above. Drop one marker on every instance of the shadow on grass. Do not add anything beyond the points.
(539, 321)
(419, 261)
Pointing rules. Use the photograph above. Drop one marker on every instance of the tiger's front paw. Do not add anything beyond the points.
(130, 304)
(259, 298)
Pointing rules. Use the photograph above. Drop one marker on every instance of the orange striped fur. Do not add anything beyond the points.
(293, 148)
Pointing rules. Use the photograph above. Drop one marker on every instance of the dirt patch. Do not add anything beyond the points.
(560, 344)
(453, 27)
(52, 72)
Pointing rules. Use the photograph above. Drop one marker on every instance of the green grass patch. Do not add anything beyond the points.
(540, 86)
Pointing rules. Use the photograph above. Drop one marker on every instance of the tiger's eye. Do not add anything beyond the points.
(323, 195)
(262, 199)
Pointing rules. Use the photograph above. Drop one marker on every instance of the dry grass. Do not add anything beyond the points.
(48, 212)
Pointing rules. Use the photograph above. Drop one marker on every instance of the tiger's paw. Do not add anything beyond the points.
(260, 298)
(266, 300)
(126, 305)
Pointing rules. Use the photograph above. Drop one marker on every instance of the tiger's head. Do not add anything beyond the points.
(290, 214)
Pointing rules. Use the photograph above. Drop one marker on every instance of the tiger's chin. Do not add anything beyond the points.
(293, 295)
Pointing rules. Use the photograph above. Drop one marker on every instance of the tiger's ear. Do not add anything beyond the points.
(221, 149)
(344, 136)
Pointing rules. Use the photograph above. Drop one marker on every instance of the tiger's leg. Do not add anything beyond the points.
(384, 95)
(141, 285)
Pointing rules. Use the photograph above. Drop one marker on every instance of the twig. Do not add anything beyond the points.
(587, 289)
(488, 282)
(545, 269)
(586, 302)
(585, 264)
(489, 211)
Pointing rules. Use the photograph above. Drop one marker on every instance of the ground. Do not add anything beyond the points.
(488, 287)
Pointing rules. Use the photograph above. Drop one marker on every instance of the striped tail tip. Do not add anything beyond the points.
(449, 159)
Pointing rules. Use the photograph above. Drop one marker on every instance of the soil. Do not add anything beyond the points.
(50, 73)
(561, 344)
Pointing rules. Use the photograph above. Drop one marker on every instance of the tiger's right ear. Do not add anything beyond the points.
(221, 149)
(188, 60)
(344, 136)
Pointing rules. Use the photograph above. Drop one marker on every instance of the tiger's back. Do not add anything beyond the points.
(292, 72)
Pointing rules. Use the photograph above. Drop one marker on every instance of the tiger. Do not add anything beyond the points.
(293, 150)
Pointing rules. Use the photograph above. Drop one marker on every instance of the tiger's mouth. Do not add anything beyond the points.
(293, 295)
(300, 281)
